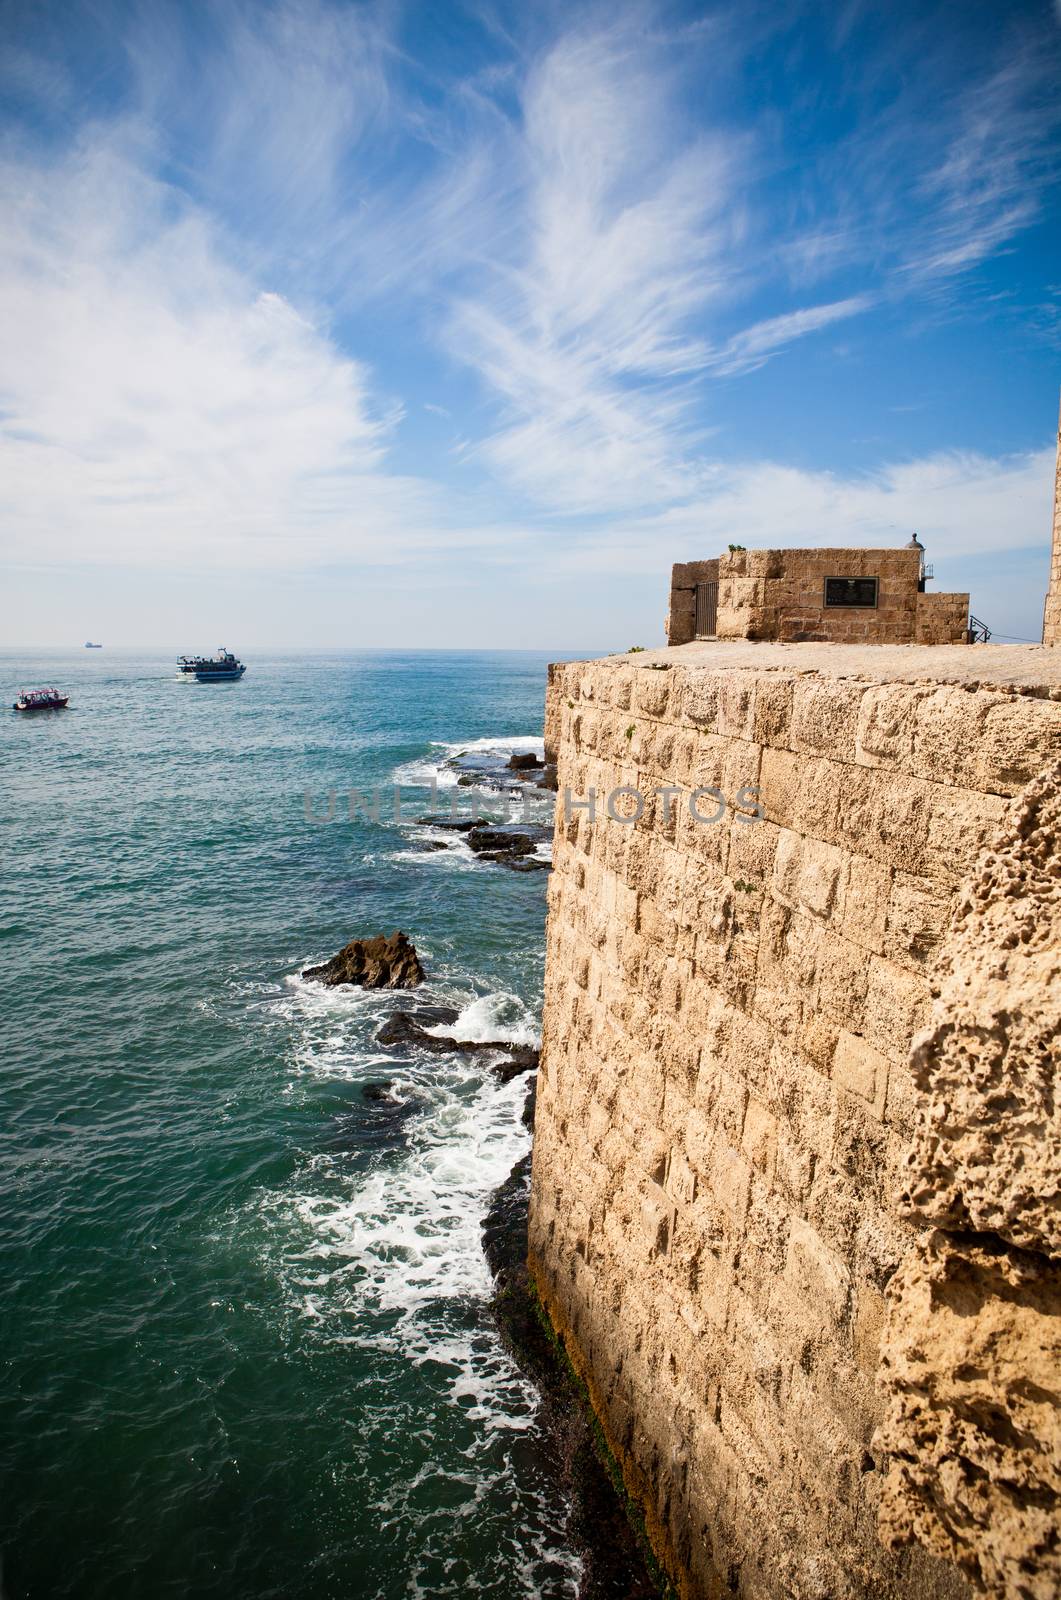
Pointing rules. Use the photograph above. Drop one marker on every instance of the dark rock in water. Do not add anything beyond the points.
(521, 1058)
(548, 779)
(379, 963)
(494, 845)
(378, 1125)
(430, 844)
(463, 826)
(498, 771)
(529, 864)
(529, 1104)
(505, 1224)
(404, 1028)
(501, 839)
(401, 1027)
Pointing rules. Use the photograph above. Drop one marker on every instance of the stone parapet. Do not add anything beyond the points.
(941, 619)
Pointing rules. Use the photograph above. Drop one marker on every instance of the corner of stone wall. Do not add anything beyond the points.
(971, 1360)
(1052, 608)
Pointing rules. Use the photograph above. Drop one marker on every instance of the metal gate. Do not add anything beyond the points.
(706, 610)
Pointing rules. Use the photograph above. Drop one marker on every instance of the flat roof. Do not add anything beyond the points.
(1032, 669)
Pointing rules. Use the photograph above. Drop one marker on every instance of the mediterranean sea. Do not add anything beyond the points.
(247, 1348)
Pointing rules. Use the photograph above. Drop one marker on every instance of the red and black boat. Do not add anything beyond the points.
(40, 700)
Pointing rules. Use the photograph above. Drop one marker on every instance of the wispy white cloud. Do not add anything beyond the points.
(985, 185)
(158, 406)
(581, 323)
(561, 222)
(266, 111)
(753, 347)
(960, 504)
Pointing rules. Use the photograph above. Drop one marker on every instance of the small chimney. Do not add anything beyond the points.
(924, 572)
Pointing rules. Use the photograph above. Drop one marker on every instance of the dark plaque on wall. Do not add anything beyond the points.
(850, 591)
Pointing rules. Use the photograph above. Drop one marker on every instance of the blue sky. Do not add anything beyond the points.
(444, 324)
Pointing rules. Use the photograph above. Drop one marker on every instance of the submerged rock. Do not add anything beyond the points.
(513, 847)
(403, 1028)
(379, 963)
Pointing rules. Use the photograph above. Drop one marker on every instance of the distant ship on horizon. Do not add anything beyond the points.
(90, 646)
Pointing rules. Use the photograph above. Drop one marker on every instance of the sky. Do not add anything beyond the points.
(329, 325)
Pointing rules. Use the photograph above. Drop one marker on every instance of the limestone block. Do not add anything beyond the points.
(752, 852)
(816, 1273)
(843, 980)
(861, 1070)
(887, 724)
(960, 826)
(779, 782)
(759, 1138)
(822, 879)
(919, 911)
(949, 726)
(825, 717)
(651, 691)
(972, 1427)
(773, 709)
(897, 1006)
(1019, 738)
(736, 707)
(866, 903)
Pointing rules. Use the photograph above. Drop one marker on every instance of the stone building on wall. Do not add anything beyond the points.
(843, 596)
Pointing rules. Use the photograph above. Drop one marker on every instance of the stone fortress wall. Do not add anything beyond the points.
(780, 594)
(757, 1220)
(1052, 609)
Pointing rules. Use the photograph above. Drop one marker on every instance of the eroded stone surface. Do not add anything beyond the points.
(971, 1359)
(987, 1147)
(972, 1372)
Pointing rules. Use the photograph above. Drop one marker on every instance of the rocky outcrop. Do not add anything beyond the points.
(510, 847)
(971, 1360)
(402, 1028)
(528, 762)
(379, 963)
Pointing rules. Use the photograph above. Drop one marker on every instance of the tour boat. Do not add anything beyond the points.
(40, 700)
(222, 668)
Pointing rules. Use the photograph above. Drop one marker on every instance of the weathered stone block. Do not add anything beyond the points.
(815, 1273)
(862, 1070)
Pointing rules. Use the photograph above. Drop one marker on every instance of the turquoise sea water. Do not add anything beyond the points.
(245, 1342)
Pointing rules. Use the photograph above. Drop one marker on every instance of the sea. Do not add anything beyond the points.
(246, 1347)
